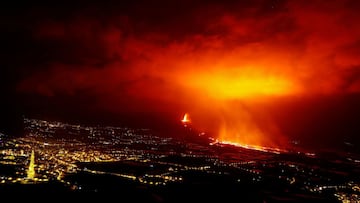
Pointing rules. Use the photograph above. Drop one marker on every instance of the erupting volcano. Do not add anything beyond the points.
(248, 72)
(185, 119)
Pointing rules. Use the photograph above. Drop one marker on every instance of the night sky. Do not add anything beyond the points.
(259, 72)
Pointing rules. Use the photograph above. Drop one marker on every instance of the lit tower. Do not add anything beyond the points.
(31, 170)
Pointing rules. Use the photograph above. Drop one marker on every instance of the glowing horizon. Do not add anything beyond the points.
(229, 85)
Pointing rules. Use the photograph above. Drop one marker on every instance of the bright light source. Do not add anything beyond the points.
(185, 119)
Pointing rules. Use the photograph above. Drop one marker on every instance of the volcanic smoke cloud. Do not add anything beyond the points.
(220, 62)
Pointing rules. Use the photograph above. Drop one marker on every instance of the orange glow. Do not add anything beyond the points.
(222, 64)
(232, 85)
(185, 119)
(240, 127)
(231, 94)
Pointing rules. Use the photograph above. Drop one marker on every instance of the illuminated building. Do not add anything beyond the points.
(31, 170)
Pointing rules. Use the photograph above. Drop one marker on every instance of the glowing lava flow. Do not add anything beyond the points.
(252, 147)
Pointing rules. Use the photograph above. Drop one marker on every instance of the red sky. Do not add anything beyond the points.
(229, 65)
